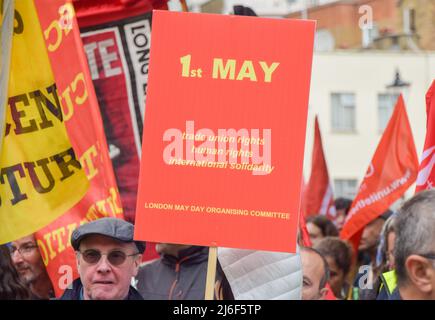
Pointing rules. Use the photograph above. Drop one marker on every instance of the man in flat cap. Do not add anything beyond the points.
(107, 259)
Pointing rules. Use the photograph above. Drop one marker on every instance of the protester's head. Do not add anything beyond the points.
(170, 248)
(385, 256)
(371, 234)
(391, 239)
(27, 260)
(414, 249)
(107, 258)
(342, 206)
(320, 227)
(315, 274)
(11, 287)
(338, 254)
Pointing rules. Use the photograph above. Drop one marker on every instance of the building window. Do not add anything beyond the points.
(343, 112)
(346, 188)
(409, 21)
(412, 21)
(369, 35)
(386, 103)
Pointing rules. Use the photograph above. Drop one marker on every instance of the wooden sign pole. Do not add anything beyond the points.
(211, 273)
(184, 6)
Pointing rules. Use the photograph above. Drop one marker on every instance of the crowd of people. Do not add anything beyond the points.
(395, 261)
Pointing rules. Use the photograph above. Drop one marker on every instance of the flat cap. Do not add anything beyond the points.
(110, 227)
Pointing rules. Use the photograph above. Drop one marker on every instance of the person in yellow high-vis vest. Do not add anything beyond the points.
(388, 285)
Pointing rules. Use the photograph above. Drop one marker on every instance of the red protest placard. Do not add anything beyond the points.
(224, 131)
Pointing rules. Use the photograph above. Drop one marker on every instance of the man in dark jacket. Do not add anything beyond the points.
(414, 248)
(107, 259)
(179, 274)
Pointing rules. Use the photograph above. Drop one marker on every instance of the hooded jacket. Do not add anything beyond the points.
(180, 278)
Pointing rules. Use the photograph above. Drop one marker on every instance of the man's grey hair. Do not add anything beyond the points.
(415, 230)
(325, 277)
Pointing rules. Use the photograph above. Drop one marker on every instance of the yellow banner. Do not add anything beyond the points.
(40, 176)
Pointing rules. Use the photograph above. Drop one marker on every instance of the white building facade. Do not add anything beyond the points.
(348, 93)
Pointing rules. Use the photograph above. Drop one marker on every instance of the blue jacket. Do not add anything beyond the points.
(395, 295)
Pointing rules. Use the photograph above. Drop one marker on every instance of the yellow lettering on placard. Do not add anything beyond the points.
(63, 24)
(43, 251)
(58, 234)
(54, 26)
(221, 72)
(113, 201)
(247, 71)
(268, 70)
(226, 70)
(79, 97)
(47, 238)
(87, 162)
(71, 227)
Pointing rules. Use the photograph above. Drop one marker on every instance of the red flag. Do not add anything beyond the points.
(92, 12)
(85, 128)
(426, 173)
(305, 236)
(329, 294)
(319, 198)
(392, 170)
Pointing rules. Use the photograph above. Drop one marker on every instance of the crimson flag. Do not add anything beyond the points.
(392, 170)
(319, 198)
(426, 173)
(305, 237)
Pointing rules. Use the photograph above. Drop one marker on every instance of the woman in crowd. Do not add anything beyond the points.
(320, 227)
(338, 254)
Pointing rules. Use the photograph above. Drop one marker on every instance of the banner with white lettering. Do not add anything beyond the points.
(118, 57)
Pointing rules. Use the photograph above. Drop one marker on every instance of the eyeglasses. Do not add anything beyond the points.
(24, 250)
(115, 257)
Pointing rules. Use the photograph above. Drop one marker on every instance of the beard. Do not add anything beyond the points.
(29, 277)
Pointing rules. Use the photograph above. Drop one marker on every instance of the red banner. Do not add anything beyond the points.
(95, 12)
(223, 140)
(392, 170)
(426, 174)
(319, 198)
(108, 73)
(84, 126)
(116, 38)
(304, 235)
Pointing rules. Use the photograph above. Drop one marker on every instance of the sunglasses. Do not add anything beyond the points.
(115, 257)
